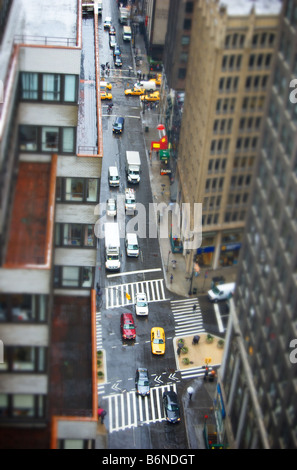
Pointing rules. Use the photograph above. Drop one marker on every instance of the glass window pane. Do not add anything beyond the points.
(92, 190)
(68, 140)
(74, 189)
(70, 88)
(87, 277)
(42, 307)
(28, 138)
(70, 276)
(23, 358)
(50, 87)
(23, 405)
(72, 234)
(50, 139)
(89, 236)
(29, 82)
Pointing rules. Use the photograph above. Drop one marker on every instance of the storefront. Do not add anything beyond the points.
(230, 248)
(205, 253)
(164, 156)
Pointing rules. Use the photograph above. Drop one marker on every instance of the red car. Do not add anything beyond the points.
(128, 326)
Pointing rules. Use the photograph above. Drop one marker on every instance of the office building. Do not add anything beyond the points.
(228, 75)
(259, 372)
(50, 180)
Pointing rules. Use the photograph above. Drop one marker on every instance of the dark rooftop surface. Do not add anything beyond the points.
(28, 227)
(71, 357)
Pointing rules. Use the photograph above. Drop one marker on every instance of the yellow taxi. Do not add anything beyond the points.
(109, 86)
(134, 91)
(151, 97)
(105, 95)
(158, 340)
(157, 79)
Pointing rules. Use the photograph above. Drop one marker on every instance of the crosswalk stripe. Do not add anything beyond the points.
(116, 296)
(187, 320)
(126, 410)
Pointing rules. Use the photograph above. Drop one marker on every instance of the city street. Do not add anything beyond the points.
(133, 421)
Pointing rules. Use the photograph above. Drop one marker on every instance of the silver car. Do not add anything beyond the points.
(111, 207)
(141, 305)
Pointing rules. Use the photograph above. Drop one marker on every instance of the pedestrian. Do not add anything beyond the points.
(206, 373)
(101, 414)
(171, 278)
(194, 307)
(190, 391)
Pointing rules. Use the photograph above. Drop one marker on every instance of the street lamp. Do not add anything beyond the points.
(195, 271)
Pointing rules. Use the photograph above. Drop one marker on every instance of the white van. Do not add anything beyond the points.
(113, 176)
(221, 292)
(149, 85)
(127, 33)
(132, 247)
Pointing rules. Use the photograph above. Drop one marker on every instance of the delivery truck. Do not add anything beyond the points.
(127, 35)
(112, 246)
(124, 15)
(133, 166)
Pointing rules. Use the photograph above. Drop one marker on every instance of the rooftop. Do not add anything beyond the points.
(32, 219)
(54, 19)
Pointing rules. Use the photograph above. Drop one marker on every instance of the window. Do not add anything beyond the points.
(185, 41)
(22, 308)
(75, 235)
(184, 57)
(28, 138)
(24, 359)
(182, 73)
(47, 139)
(29, 84)
(22, 406)
(187, 24)
(50, 139)
(49, 87)
(74, 276)
(77, 189)
(189, 8)
(70, 88)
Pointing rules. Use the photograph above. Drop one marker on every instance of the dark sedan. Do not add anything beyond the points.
(142, 382)
(171, 406)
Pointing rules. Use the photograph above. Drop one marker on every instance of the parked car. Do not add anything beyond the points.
(118, 125)
(112, 41)
(107, 22)
(134, 91)
(142, 382)
(117, 50)
(127, 326)
(171, 406)
(112, 30)
(158, 340)
(118, 61)
(111, 207)
(141, 304)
